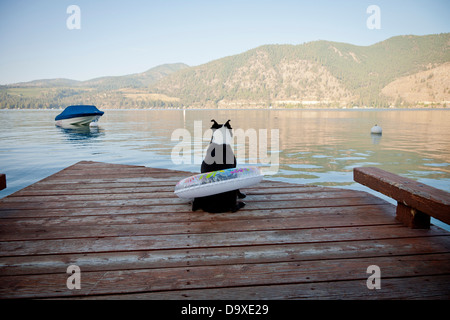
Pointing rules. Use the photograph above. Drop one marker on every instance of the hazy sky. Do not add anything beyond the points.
(123, 37)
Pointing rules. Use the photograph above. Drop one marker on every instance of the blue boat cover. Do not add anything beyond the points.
(78, 111)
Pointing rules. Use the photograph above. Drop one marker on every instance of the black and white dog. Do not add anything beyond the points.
(219, 156)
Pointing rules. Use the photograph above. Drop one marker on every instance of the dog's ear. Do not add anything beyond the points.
(227, 124)
(215, 124)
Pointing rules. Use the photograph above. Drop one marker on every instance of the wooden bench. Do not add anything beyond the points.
(2, 181)
(416, 202)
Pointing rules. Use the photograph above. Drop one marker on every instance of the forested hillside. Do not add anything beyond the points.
(319, 74)
(130, 91)
(331, 73)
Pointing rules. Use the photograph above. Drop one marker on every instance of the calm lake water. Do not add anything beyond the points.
(318, 147)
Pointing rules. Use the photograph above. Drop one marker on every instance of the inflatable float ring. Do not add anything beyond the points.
(209, 183)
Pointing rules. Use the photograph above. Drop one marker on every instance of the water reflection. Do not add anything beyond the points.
(376, 138)
(80, 134)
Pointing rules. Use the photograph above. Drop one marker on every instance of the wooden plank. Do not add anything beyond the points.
(92, 165)
(236, 275)
(86, 173)
(167, 191)
(169, 197)
(383, 214)
(147, 188)
(55, 191)
(102, 228)
(202, 240)
(117, 174)
(151, 186)
(432, 201)
(132, 181)
(324, 199)
(431, 288)
(184, 213)
(46, 264)
(152, 206)
(58, 212)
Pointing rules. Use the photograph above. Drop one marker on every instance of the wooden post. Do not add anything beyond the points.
(411, 217)
(2, 181)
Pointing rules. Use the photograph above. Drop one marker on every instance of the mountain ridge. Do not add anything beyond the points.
(151, 73)
(357, 74)
(317, 73)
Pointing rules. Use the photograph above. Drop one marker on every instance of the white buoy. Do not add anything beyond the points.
(376, 129)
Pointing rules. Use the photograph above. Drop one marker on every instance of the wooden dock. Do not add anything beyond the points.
(132, 238)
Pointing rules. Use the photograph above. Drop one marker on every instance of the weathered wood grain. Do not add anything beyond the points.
(235, 275)
(433, 288)
(207, 239)
(134, 239)
(418, 196)
(147, 259)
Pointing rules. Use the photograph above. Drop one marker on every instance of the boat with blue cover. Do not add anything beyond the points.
(78, 115)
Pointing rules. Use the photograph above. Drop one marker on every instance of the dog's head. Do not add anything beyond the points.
(222, 133)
